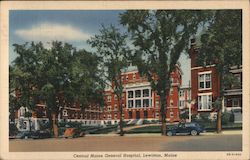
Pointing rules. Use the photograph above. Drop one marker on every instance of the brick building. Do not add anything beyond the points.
(205, 84)
(139, 101)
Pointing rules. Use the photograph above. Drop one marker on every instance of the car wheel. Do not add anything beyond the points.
(169, 133)
(194, 133)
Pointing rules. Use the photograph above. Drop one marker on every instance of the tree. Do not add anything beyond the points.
(111, 47)
(159, 37)
(221, 44)
(47, 74)
(22, 80)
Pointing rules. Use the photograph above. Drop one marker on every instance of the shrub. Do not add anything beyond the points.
(225, 118)
(12, 129)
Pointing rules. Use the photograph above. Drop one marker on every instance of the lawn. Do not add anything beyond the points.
(208, 127)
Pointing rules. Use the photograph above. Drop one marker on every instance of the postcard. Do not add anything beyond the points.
(124, 80)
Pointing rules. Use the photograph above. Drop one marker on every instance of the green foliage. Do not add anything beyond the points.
(159, 37)
(221, 44)
(185, 114)
(227, 117)
(44, 126)
(58, 76)
(12, 129)
(222, 41)
(111, 46)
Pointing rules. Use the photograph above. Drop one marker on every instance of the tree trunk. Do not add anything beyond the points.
(163, 114)
(121, 120)
(219, 120)
(54, 124)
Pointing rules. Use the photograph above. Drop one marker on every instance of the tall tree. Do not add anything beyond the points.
(22, 78)
(45, 74)
(221, 44)
(112, 48)
(160, 36)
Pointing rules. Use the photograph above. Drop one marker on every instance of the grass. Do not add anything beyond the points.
(209, 127)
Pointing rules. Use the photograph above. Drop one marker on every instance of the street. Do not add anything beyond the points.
(232, 142)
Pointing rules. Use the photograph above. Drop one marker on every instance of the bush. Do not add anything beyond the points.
(146, 121)
(12, 129)
(231, 118)
(44, 126)
(225, 118)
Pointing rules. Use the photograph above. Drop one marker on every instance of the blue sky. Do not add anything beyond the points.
(74, 27)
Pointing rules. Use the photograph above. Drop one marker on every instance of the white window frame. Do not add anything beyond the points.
(204, 80)
(207, 101)
(181, 93)
(141, 98)
(65, 112)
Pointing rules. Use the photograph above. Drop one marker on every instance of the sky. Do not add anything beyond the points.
(71, 26)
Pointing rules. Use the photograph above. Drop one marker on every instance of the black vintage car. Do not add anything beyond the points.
(191, 128)
(41, 134)
(24, 135)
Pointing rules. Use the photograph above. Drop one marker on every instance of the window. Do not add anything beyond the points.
(130, 103)
(145, 114)
(181, 93)
(138, 93)
(109, 98)
(22, 112)
(127, 77)
(134, 76)
(171, 91)
(171, 102)
(130, 94)
(109, 108)
(130, 114)
(157, 103)
(171, 114)
(205, 81)
(115, 97)
(122, 78)
(181, 103)
(157, 115)
(139, 97)
(235, 102)
(146, 93)
(146, 103)
(65, 113)
(205, 102)
(109, 116)
(137, 103)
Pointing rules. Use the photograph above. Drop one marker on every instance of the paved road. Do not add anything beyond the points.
(132, 143)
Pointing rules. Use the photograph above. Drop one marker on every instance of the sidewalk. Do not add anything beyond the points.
(229, 132)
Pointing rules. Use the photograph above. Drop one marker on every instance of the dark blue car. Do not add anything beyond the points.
(191, 128)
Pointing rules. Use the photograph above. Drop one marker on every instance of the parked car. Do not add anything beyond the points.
(73, 133)
(24, 135)
(191, 128)
(41, 134)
